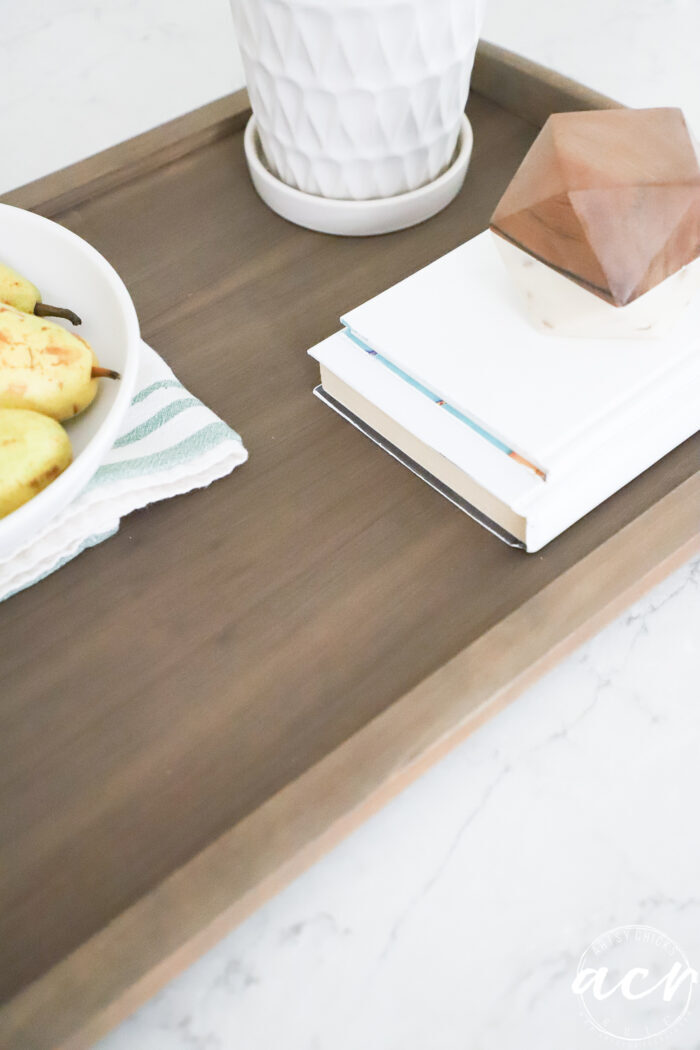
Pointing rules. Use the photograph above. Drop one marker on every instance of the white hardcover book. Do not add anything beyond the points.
(451, 438)
(457, 329)
(529, 508)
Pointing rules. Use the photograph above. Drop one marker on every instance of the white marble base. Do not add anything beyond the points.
(558, 306)
(455, 918)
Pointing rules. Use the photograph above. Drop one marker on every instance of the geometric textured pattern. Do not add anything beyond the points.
(356, 99)
(609, 198)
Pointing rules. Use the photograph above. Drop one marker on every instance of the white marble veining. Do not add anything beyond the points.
(556, 305)
(453, 920)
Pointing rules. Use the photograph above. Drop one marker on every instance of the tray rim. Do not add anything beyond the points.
(112, 973)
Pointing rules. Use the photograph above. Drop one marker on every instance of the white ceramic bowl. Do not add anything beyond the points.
(69, 272)
(357, 218)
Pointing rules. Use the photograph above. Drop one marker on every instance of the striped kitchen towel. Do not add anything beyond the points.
(170, 443)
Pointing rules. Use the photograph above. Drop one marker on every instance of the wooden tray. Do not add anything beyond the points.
(193, 711)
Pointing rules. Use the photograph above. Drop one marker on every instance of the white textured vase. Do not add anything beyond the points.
(358, 99)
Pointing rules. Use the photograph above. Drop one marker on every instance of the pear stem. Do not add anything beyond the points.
(44, 310)
(104, 373)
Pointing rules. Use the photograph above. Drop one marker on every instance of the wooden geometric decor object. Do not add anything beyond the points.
(610, 199)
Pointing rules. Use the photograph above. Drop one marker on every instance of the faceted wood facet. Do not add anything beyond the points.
(609, 198)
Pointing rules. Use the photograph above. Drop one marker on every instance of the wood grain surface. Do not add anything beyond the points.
(190, 711)
(610, 199)
(526, 88)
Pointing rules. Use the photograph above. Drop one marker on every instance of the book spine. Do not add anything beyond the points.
(442, 403)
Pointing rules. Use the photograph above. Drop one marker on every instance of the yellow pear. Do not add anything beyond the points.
(33, 451)
(17, 291)
(45, 368)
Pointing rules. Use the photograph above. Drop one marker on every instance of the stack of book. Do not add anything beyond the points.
(523, 431)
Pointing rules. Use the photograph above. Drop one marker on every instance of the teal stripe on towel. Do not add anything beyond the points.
(157, 420)
(194, 445)
(160, 384)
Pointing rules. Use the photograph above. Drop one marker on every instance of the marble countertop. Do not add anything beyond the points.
(456, 917)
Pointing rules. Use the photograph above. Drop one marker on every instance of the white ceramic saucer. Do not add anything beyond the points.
(357, 218)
